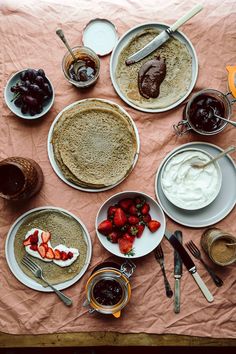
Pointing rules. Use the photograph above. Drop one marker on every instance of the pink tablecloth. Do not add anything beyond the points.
(27, 32)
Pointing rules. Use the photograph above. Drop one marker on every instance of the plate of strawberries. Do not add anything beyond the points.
(130, 224)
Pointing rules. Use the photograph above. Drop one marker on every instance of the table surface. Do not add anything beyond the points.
(157, 139)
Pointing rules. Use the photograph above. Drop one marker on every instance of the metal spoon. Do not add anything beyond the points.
(217, 157)
(224, 119)
(77, 64)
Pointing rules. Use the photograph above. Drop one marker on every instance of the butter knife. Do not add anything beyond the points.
(187, 260)
(162, 37)
(177, 273)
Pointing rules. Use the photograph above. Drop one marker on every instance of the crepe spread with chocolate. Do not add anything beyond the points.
(177, 79)
(65, 230)
(94, 144)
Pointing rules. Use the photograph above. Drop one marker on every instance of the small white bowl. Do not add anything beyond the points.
(8, 96)
(196, 205)
(148, 241)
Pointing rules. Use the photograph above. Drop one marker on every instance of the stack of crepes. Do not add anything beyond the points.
(94, 144)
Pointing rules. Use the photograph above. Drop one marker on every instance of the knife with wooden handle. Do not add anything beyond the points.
(177, 273)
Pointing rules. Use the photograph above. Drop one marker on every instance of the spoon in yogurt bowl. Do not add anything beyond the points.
(217, 157)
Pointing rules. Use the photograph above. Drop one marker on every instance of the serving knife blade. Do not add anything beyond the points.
(162, 37)
(189, 264)
(177, 273)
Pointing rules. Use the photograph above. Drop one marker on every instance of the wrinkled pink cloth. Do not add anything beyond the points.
(28, 39)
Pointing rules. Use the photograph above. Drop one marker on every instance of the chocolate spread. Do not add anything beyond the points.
(150, 77)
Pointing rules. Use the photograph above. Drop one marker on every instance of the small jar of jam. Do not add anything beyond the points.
(200, 113)
(219, 245)
(85, 71)
(108, 289)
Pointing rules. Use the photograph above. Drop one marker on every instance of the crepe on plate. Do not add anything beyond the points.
(94, 144)
(178, 71)
(64, 230)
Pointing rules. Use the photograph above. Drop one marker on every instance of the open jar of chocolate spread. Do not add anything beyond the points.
(219, 245)
(201, 110)
(108, 289)
(20, 178)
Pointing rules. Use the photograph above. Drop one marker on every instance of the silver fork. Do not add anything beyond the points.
(197, 254)
(160, 259)
(38, 272)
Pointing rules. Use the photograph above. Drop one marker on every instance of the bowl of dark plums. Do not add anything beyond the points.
(29, 94)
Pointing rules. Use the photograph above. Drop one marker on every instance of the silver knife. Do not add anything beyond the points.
(162, 37)
(189, 264)
(177, 273)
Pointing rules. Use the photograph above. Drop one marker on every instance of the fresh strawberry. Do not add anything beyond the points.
(145, 209)
(64, 256)
(34, 238)
(133, 210)
(70, 255)
(111, 211)
(113, 237)
(105, 227)
(45, 236)
(57, 254)
(128, 237)
(133, 220)
(34, 247)
(146, 218)
(140, 230)
(120, 219)
(27, 242)
(49, 253)
(42, 251)
(153, 225)
(139, 202)
(125, 246)
(132, 230)
(125, 203)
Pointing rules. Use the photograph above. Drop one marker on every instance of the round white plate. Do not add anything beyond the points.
(125, 39)
(51, 153)
(219, 208)
(148, 241)
(16, 270)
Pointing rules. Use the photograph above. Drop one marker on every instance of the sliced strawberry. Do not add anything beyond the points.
(70, 255)
(133, 220)
(145, 209)
(111, 211)
(27, 242)
(146, 218)
(113, 237)
(42, 251)
(128, 237)
(133, 210)
(34, 247)
(105, 227)
(45, 245)
(50, 253)
(34, 238)
(120, 219)
(125, 203)
(64, 256)
(125, 246)
(153, 225)
(140, 230)
(45, 236)
(57, 254)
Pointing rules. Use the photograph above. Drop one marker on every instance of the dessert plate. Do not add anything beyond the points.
(125, 39)
(219, 208)
(17, 271)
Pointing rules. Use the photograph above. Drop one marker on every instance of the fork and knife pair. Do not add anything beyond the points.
(181, 256)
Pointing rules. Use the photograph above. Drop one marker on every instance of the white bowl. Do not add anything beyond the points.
(188, 203)
(148, 241)
(8, 96)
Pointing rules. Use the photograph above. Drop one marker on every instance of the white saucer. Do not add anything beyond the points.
(219, 208)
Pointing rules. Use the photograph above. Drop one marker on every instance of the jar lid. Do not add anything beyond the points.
(100, 35)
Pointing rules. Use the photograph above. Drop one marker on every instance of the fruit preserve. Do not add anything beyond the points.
(107, 292)
(86, 70)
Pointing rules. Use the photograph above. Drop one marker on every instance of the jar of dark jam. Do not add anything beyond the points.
(108, 289)
(200, 113)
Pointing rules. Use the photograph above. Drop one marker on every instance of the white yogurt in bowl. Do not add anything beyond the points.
(188, 187)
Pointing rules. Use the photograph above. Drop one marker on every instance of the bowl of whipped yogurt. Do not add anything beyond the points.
(188, 187)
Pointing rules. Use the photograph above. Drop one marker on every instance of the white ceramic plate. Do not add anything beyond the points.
(51, 153)
(148, 241)
(125, 39)
(219, 208)
(16, 270)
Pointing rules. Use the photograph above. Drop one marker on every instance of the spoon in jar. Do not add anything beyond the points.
(77, 64)
(217, 157)
(224, 119)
